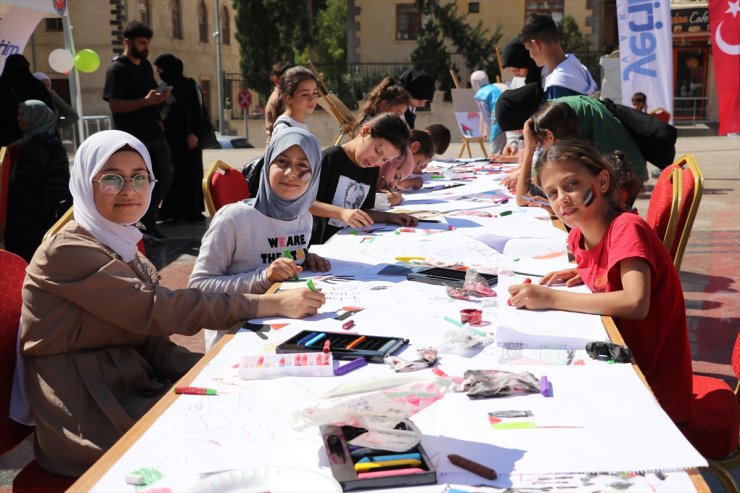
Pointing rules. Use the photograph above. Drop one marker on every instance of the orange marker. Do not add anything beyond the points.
(354, 343)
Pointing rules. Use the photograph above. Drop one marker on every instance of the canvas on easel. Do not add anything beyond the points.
(468, 120)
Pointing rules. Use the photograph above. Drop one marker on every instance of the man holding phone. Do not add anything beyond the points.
(133, 98)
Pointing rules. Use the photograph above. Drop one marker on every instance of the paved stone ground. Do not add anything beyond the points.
(710, 273)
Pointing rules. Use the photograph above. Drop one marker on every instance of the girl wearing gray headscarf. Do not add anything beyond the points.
(96, 323)
(38, 191)
(257, 242)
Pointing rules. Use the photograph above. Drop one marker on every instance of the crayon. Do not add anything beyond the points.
(371, 466)
(327, 346)
(302, 341)
(354, 343)
(383, 458)
(348, 324)
(348, 367)
(286, 254)
(545, 386)
(393, 472)
(195, 391)
(315, 339)
(474, 467)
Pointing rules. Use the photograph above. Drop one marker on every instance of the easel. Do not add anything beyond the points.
(466, 141)
(335, 106)
(466, 146)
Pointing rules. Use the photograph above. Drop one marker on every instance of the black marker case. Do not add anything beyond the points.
(373, 348)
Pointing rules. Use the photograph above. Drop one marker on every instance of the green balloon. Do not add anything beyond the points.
(87, 61)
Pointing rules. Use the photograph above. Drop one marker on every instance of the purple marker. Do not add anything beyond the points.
(352, 365)
(545, 387)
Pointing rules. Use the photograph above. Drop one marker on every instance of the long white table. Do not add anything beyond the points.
(250, 424)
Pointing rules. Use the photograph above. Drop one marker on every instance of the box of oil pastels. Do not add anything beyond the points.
(343, 345)
(360, 467)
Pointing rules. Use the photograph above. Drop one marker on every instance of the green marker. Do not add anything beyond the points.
(453, 321)
(286, 254)
(505, 213)
(310, 285)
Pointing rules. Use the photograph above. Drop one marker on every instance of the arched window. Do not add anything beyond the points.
(202, 22)
(225, 26)
(144, 12)
(176, 19)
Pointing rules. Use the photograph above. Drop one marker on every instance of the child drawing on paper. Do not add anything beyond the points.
(349, 176)
(257, 242)
(626, 266)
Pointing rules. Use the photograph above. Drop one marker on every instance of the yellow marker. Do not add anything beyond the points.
(409, 259)
(369, 466)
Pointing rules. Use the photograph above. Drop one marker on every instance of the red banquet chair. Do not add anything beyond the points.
(31, 478)
(664, 205)
(223, 185)
(715, 423)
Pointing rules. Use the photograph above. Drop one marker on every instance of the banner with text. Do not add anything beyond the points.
(16, 27)
(724, 22)
(645, 51)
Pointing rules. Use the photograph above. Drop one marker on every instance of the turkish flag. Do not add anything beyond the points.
(724, 21)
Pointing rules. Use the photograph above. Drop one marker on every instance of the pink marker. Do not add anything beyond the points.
(393, 472)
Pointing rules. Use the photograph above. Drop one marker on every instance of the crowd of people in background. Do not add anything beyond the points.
(111, 323)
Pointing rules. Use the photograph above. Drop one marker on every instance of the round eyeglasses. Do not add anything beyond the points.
(113, 184)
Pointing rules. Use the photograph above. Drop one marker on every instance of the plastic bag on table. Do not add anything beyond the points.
(377, 405)
(474, 286)
(465, 338)
(498, 383)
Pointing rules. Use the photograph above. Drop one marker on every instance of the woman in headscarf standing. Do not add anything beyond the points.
(17, 84)
(183, 122)
(95, 322)
(38, 191)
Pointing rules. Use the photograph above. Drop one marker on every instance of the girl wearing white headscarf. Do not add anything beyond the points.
(244, 249)
(95, 322)
(38, 190)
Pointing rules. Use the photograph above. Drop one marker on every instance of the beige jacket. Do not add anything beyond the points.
(96, 346)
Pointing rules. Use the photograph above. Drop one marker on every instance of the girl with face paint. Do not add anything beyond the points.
(257, 242)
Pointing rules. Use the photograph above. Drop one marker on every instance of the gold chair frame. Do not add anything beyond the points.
(66, 217)
(683, 238)
(207, 196)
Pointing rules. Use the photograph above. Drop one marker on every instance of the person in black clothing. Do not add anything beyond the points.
(38, 191)
(17, 84)
(133, 97)
(420, 86)
(515, 58)
(182, 125)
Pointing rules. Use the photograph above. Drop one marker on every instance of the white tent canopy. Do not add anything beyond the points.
(18, 20)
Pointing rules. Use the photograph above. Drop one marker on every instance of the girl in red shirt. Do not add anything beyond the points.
(626, 266)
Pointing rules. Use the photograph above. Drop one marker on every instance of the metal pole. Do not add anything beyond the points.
(219, 67)
(74, 78)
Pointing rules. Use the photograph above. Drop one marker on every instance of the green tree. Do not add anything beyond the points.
(475, 43)
(431, 54)
(268, 32)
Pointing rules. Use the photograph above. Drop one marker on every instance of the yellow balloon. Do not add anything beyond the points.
(87, 61)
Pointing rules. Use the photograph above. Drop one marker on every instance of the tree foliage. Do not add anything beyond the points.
(296, 31)
(475, 43)
(431, 54)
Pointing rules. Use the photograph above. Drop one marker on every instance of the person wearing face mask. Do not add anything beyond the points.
(38, 190)
(183, 122)
(133, 97)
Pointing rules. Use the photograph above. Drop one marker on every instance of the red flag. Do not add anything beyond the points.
(724, 21)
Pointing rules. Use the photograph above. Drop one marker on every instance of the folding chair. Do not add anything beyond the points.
(31, 478)
(223, 185)
(67, 217)
(665, 202)
(691, 193)
(715, 423)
